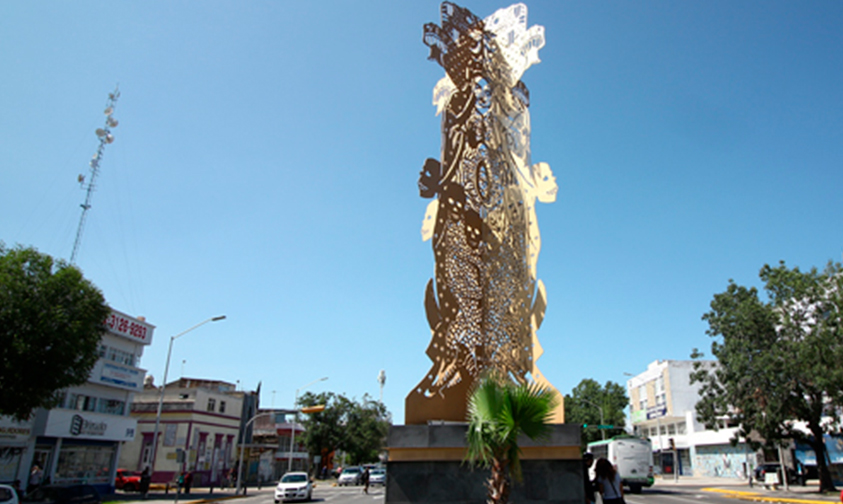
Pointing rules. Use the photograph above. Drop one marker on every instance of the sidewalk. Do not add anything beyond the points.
(740, 489)
(196, 496)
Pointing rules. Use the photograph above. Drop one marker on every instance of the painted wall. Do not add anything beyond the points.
(722, 461)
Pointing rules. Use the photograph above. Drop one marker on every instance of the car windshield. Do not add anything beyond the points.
(351, 470)
(294, 478)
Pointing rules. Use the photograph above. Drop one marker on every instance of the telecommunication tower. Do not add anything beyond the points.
(105, 138)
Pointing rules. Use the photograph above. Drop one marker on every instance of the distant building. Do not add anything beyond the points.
(201, 418)
(662, 408)
(81, 439)
(269, 452)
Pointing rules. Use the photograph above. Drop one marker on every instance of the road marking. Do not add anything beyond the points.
(757, 497)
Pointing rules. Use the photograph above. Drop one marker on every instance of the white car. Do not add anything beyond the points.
(8, 495)
(294, 486)
(350, 476)
(377, 477)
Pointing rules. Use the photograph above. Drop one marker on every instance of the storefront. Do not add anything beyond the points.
(14, 438)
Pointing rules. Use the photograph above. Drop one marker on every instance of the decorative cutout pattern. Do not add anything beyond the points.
(486, 302)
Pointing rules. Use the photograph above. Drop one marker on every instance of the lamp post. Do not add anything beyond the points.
(602, 431)
(243, 446)
(295, 419)
(164, 383)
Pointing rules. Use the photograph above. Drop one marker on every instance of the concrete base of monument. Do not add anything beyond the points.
(426, 465)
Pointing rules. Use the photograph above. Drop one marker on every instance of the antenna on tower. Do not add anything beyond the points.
(382, 382)
(105, 136)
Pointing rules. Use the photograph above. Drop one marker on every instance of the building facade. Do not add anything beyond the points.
(80, 440)
(199, 418)
(268, 454)
(662, 408)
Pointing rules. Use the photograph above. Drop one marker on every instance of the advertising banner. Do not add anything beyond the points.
(129, 327)
(88, 425)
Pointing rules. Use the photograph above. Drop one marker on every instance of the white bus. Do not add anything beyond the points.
(631, 456)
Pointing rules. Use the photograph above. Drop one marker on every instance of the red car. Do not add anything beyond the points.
(127, 481)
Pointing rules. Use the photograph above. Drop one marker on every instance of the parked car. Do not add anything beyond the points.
(377, 476)
(64, 494)
(294, 486)
(774, 467)
(8, 495)
(127, 481)
(350, 476)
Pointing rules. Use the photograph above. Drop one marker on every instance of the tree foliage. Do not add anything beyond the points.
(498, 412)
(778, 360)
(51, 322)
(358, 428)
(580, 408)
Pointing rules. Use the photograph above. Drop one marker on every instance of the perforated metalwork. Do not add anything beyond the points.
(486, 302)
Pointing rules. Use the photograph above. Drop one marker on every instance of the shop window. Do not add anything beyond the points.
(212, 404)
(82, 402)
(84, 464)
(222, 406)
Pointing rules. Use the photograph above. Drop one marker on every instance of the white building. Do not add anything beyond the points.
(80, 440)
(662, 408)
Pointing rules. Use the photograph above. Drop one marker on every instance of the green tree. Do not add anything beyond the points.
(498, 412)
(326, 430)
(358, 428)
(367, 428)
(581, 407)
(51, 322)
(778, 360)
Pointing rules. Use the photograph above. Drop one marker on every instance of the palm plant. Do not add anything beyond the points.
(498, 412)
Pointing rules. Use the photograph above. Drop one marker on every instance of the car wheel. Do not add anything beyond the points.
(276, 501)
(636, 489)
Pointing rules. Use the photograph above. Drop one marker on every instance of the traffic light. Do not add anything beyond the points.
(313, 409)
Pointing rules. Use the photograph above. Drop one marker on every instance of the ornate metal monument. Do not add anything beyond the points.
(486, 303)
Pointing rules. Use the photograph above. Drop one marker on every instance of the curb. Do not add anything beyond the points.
(757, 497)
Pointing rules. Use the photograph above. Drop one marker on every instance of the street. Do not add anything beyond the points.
(324, 493)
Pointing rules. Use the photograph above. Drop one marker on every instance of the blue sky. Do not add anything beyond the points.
(266, 161)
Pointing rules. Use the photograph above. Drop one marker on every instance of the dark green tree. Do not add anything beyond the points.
(326, 430)
(367, 427)
(51, 322)
(498, 412)
(358, 428)
(581, 408)
(778, 360)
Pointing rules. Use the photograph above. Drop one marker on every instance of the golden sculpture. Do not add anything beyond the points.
(486, 303)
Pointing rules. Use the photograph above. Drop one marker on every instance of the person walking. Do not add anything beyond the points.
(588, 483)
(188, 481)
(144, 482)
(365, 480)
(35, 477)
(609, 482)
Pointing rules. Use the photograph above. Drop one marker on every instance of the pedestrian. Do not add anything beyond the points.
(588, 483)
(144, 482)
(365, 480)
(188, 481)
(35, 477)
(179, 482)
(609, 482)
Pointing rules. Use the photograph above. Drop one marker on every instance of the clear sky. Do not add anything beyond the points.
(266, 161)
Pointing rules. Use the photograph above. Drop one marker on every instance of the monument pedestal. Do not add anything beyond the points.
(426, 465)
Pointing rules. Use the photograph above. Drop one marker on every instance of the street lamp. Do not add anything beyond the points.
(295, 419)
(243, 446)
(602, 431)
(164, 383)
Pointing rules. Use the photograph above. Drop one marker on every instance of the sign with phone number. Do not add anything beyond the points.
(129, 327)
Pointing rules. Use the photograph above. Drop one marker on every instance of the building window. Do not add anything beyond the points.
(222, 406)
(82, 402)
(116, 355)
(654, 432)
(212, 404)
(680, 428)
(642, 397)
(663, 429)
(112, 406)
(671, 429)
